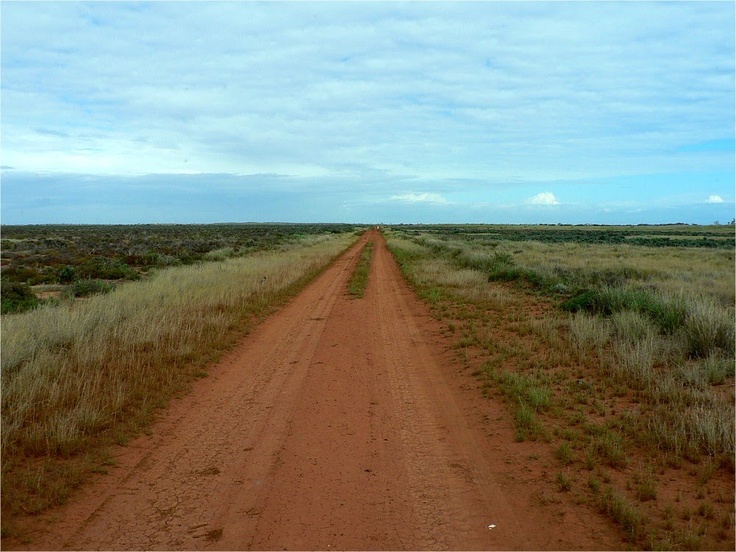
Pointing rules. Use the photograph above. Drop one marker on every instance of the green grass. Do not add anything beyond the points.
(359, 279)
(622, 512)
(564, 454)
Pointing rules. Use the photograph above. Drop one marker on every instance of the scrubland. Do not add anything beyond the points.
(78, 375)
(619, 357)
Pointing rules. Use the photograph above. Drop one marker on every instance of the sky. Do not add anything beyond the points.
(367, 112)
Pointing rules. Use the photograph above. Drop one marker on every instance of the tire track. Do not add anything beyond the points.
(216, 446)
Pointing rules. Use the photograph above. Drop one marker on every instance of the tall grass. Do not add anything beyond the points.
(75, 376)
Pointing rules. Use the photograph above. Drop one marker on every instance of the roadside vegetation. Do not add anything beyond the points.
(81, 374)
(617, 352)
(359, 279)
(47, 260)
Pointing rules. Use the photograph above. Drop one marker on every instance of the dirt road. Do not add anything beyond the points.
(336, 424)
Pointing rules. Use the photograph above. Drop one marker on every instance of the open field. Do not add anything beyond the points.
(337, 423)
(544, 395)
(631, 390)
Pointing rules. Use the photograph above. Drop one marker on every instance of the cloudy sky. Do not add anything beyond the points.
(498, 112)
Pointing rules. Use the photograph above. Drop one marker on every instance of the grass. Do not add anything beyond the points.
(359, 279)
(564, 482)
(638, 372)
(77, 377)
(622, 512)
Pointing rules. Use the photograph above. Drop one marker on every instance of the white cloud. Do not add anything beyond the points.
(543, 198)
(420, 198)
(714, 199)
(461, 88)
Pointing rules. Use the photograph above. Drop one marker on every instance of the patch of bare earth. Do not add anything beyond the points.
(338, 423)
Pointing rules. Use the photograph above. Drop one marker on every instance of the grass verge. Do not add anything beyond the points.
(79, 377)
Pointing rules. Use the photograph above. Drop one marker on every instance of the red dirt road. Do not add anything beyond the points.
(336, 424)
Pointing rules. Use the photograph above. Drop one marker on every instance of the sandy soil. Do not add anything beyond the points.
(338, 423)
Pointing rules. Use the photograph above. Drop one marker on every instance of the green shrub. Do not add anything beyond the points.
(505, 273)
(85, 288)
(67, 275)
(17, 297)
(107, 269)
(585, 301)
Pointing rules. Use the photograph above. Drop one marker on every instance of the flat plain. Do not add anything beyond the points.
(488, 391)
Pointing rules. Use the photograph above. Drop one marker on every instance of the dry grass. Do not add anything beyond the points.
(78, 376)
(646, 377)
(672, 269)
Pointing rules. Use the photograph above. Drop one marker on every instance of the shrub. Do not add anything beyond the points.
(17, 297)
(67, 275)
(85, 288)
(585, 301)
(107, 269)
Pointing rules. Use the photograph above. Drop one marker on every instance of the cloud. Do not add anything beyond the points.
(464, 89)
(543, 198)
(714, 199)
(420, 198)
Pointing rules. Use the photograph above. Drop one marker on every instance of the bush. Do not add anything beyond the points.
(107, 269)
(669, 314)
(67, 275)
(17, 297)
(85, 288)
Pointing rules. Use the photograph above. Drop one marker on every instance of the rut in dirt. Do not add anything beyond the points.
(331, 426)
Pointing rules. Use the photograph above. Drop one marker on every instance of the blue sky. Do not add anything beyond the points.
(498, 112)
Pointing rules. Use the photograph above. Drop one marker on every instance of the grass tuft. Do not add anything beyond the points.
(623, 513)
